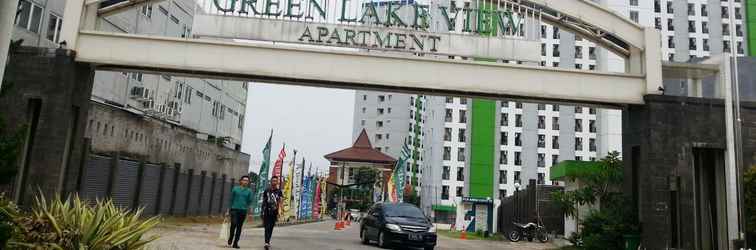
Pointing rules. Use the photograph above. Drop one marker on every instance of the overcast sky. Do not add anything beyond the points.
(314, 121)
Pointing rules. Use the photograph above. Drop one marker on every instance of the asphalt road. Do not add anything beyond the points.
(313, 236)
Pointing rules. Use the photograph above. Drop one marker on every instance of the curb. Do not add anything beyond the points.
(292, 223)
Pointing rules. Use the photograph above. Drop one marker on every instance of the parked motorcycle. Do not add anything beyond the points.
(529, 231)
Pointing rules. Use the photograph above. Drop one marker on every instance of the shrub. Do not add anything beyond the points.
(73, 224)
(749, 183)
(8, 213)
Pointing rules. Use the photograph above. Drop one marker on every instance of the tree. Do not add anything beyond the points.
(749, 183)
(603, 228)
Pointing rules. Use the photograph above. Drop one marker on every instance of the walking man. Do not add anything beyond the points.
(241, 199)
(271, 200)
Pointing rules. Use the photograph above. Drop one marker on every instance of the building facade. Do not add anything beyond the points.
(179, 121)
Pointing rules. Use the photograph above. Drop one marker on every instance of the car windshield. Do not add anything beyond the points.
(402, 210)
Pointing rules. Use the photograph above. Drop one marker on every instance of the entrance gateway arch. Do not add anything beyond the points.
(285, 55)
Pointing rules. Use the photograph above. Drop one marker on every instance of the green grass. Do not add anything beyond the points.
(470, 236)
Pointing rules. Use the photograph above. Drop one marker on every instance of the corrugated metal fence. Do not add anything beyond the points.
(155, 188)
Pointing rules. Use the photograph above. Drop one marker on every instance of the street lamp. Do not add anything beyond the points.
(516, 199)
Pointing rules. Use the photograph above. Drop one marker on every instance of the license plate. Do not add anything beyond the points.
(415, 237)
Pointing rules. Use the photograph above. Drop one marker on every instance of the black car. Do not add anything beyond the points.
(398, 224)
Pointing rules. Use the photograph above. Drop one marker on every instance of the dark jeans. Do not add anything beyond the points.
(237, 221)
(269, 223)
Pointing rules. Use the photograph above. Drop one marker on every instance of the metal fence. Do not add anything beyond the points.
(527, 205)
(156, 188)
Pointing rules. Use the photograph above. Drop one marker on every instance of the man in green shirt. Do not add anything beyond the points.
(241, 199)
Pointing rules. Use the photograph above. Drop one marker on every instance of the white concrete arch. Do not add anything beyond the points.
(360, 69)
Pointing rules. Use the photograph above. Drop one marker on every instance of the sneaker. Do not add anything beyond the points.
(236, 246)
(267, 246)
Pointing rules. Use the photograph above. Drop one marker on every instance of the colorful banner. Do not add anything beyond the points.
(262, 183)
(278, 166)
(316, 200)
(323, 196)
(298, 173)
(391, 186)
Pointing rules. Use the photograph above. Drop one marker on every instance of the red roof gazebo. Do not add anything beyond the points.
(360, 154)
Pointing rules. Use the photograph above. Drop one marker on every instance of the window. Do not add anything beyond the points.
(555, 142)
(447, 134)
(634, 16)
(541, 141)
(554, 160)
(541, 178)
(54, 24)
(578, 125)
(445, 192)
(592, 53)
(554, 123)
(518, 139)
(633, 2)
(380, 111)
(381, 98)
(503, 159)
(447, 153)
(460, 174)
(692, 43)
(518, 120)
(579, 144)
(379, 124)
(541, 106)
(705, 44)
(592, 145)
(147, 10)
(518, 105)
(446, 173)
(592, 126)
(461, 154)
(670, 9)
(704, 10)
(738, 15)
(555, 50)
(29, 16)
(541, 122)
(692, 26)
(504, 119)
(448, 116)
(705, 27)
(462, 116)
(518, 158)
(502, 176)
(725, 12)
(503, 138)
(362, 123)
(462, 136)
(364, 97)
(691, 9)
(579, 52)
(449, 100)
(543, 31)
(459, 191)
(463, 101)
(517, 177)
(541, 160)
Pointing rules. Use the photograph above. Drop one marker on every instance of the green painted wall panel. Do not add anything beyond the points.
(482, 145)
(751, 27)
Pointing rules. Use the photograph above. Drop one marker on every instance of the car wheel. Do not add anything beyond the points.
(363, 236)
(382, 240)
(514, 236)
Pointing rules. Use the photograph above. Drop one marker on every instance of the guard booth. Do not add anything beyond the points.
(475, 214)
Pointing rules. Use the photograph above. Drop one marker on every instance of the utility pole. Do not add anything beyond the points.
(8, 10)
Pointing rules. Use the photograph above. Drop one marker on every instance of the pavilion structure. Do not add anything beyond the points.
(345, 162)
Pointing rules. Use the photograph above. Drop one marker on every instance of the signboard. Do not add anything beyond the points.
(477, 200)
(486, 32)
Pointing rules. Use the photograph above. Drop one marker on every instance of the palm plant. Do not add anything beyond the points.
(73, 224)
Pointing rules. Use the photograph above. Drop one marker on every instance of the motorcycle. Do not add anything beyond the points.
(529, 231)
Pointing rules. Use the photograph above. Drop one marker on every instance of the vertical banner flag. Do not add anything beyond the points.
(278, 166)
(391, 189)
(323, 196)
(287, 198)
(282, 213)
(401, 173)
(297, 187)
(316, 200)
(262, 180)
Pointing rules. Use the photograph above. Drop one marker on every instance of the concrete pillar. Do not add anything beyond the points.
(7, 17)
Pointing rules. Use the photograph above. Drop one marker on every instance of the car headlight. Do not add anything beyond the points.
(432, 229)
(393, 227)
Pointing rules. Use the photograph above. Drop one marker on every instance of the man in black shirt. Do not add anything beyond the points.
(270, 202)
